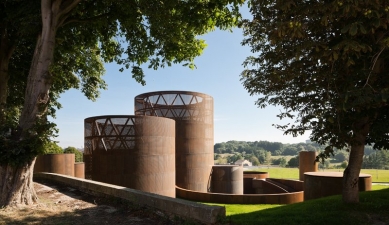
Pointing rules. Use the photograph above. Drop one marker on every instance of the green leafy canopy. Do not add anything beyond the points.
(325, 63)
(89, 34)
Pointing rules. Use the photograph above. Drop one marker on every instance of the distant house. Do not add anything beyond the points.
(243, 162)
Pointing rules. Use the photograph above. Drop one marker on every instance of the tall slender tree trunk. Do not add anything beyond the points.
(350, 193)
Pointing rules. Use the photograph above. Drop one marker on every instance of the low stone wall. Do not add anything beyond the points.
(182, 208)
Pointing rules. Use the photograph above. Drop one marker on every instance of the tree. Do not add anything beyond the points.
(344, 164)
(377, 160)
(341, 156)
(77, 154)
(294, 162)
(254, 160)
(52, 148)
(221, 161)
(268, 158)
(158, 32)
(324, 164)
(219, 148)
(290, 150)
(325, 63)
(261, 155)
(233, 158)
(280, 161)
(283, 162)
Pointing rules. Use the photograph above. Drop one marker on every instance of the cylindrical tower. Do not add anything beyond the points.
(323, 184)
(79, 170)
(55, 163)
(193, 113)
(132, 151)
(307, 163)
(227, 179)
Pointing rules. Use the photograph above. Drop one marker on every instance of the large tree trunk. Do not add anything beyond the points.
(351, 174)
(16, 182)
(39, 77)
(16, 185)
(54, 13)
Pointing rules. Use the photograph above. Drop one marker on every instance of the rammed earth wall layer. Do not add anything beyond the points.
(182, 208)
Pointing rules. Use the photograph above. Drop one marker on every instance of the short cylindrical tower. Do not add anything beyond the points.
(323, 184)
(193, 113)
(307, 163)
(79, 170)
(227, 179)
(132, 151)
(55, 163)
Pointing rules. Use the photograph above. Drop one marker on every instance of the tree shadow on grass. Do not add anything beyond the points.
(372, 209)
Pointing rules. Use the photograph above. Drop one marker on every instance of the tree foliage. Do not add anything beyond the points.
(233, 158)
(280, 162)
(341, 156)
(253, 147)
(77, 153)
(323, 60)
(130, 34)
(325, 63)
(294, 162)
(52, 148)
(376, 160)
(254, 160)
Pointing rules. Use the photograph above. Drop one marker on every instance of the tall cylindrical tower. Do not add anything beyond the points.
(307, 163)
(193, 113)
(132, 151)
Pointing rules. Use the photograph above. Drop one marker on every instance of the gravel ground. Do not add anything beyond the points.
(64, 205)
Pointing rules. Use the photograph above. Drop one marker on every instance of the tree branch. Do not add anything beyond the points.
(373, 66)
(91, 19)
(67, 6)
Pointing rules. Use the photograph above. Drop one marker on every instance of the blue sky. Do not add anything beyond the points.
(217, 74)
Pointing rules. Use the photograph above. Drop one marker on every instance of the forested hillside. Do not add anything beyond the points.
(277, 153)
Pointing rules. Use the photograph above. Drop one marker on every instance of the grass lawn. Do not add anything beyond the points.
(293, 173)
(279, 172)
(372, 209)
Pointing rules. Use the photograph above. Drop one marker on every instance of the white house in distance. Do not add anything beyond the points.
(243, 162)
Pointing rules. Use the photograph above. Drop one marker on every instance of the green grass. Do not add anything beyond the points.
(234, 209)
(378, 175)
(293, 173)
(279, 172)
(372, 209)
(378, 187)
